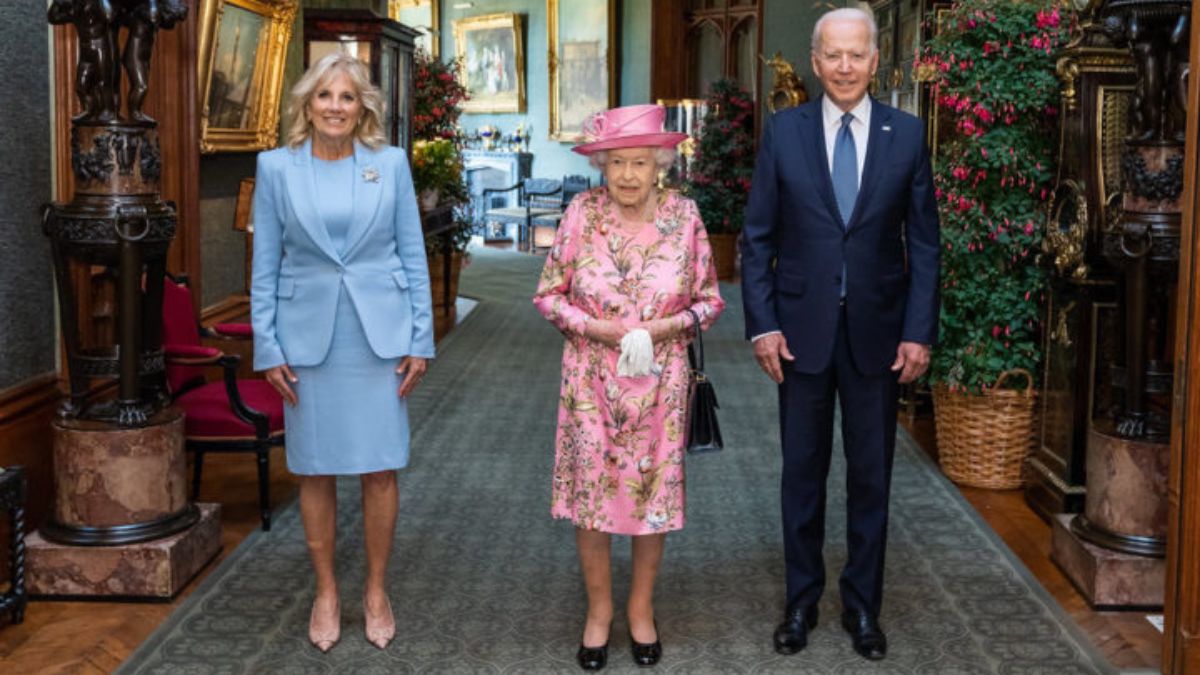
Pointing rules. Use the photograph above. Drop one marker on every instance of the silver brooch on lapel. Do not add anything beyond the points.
(371, 174)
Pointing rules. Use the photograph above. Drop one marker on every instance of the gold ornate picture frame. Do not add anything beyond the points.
(243, 44)
(423, 15)
(582, 64)
(493, 56)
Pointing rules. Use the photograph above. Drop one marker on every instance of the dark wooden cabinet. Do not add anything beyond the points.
(1082, 323)
(384, 45)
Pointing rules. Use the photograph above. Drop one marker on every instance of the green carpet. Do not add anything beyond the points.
(483, 581)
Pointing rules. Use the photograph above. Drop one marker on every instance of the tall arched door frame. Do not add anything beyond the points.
(1181, 636)
(675, 26)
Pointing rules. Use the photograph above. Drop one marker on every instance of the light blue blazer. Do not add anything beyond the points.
(298, 275)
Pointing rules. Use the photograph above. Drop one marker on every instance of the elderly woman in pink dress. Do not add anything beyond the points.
(628, 257)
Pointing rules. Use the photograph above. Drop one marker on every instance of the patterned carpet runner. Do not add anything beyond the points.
(483, 581)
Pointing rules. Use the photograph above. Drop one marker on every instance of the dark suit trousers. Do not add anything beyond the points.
(869, 436)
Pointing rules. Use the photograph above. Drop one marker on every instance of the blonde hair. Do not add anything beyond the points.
(369, 131)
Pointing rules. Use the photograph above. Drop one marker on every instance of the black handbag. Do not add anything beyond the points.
(704, 433)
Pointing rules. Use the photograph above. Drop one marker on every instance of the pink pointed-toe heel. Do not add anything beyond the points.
(324, 640)
(380, 630)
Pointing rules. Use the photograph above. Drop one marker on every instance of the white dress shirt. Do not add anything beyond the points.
(859, 128)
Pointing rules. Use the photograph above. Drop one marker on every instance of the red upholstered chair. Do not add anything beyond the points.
(230, 415)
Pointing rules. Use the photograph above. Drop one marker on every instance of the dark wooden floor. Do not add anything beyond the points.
(95, 637)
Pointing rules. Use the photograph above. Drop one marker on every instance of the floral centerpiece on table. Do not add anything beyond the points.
(992, 65)
(723, 163)
(437, 165)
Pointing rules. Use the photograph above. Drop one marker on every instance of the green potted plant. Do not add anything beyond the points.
(992, 67)
(721, 169)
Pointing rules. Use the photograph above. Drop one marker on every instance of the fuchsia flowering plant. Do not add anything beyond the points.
(724, 159)
(437, 96)
(992, 65)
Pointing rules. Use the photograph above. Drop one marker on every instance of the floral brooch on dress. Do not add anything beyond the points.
(371, 174)
(667, 225)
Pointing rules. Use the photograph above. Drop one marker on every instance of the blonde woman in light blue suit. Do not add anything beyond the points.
(343, 320)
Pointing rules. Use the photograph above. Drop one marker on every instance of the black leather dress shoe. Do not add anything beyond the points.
(792, 635)
(592, 658)
(868, 637)
(646, 653)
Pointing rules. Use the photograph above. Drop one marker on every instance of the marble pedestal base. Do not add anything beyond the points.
(1108, 579)
(150, 570)
(116, 485)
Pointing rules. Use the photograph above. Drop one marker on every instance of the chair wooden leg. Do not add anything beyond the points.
(197, 467)
(264, 485)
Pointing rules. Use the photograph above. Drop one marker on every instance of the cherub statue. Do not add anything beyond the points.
(95, 77)
(144, 18)
(1158, 41)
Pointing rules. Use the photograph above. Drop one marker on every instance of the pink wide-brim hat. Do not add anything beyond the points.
(631, 126)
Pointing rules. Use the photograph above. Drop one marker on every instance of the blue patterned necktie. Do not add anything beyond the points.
(845, 170)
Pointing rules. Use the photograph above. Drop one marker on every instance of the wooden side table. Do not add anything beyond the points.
(12, 500)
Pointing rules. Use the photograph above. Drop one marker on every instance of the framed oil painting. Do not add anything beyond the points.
(422, 15)
(493, 57)
(581, 35)
(241, 58)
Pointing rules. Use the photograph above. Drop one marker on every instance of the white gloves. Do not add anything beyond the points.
(637, 354)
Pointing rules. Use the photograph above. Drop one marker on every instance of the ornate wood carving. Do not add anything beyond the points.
(12, 501)
(173, 98)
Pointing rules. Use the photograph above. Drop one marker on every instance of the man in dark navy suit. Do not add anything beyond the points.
(840, 283)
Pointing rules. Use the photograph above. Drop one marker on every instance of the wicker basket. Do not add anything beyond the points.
(983, 439)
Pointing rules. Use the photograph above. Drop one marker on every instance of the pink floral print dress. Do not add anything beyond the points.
(620, 443)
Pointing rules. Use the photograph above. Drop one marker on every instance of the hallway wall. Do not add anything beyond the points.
(27, 326)
(634, 35)
(551, 158)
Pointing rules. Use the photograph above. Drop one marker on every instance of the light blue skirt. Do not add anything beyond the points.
(348, 419)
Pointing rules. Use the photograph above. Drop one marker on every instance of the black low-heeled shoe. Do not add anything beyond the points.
(865, 634)
(646, 653)
(592, 658)
(791, 636)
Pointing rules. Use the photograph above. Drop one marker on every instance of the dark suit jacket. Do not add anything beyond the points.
(795, 246)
